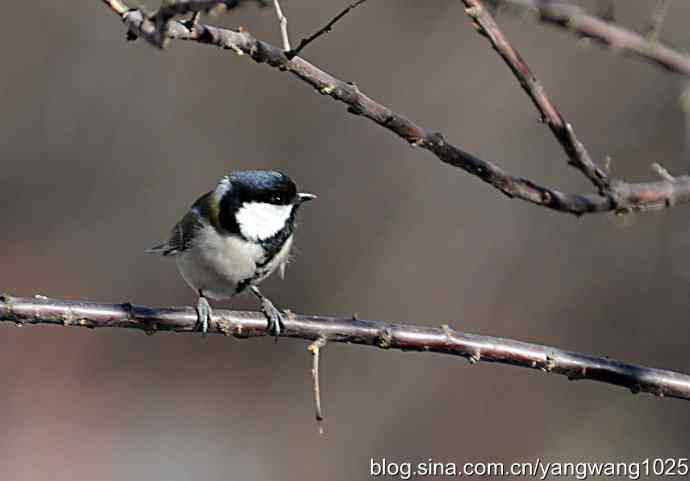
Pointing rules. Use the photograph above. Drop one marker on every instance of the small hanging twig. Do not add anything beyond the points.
(315, 349)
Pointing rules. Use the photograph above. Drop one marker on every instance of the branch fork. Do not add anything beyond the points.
(626, 197)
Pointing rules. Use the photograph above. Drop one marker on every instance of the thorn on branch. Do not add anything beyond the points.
(292, 53)
(447, 331)
(474, 358)
(473, 12)
(354, 86)
(546, 197)
(550, 363)
(662, 172)
(384, 339)
(238, 330)
(607, 165)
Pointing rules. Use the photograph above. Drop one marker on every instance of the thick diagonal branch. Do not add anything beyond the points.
(245, 324)
(575, 150)
(643, 196)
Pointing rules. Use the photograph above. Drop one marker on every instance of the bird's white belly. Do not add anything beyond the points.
(216, 264)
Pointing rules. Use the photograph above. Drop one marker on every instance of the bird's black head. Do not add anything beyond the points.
(258, 204)
(268, 186)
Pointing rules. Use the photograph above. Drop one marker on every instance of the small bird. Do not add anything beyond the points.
(234, 237)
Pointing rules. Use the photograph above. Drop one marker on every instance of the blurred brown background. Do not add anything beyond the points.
(105, 143)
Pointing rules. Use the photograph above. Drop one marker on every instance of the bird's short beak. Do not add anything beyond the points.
(303, 197)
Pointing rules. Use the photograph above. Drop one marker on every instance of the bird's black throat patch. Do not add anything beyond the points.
(271, 247)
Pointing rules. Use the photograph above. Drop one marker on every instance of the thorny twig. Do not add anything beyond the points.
(323, 30)
(444, 340)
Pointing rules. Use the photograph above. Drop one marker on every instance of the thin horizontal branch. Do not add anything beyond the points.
(565, 134)
(629, 196)
(444, 340)
(577, 20)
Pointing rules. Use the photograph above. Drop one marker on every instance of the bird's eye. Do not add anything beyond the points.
(277, 199)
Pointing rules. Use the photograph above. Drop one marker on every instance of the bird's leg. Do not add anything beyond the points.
(273, 315)
(203, 311)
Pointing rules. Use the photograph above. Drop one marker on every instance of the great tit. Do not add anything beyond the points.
(234, 237)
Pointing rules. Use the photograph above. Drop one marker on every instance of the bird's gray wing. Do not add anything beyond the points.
(181, 235)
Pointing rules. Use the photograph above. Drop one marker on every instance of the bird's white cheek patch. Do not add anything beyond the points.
(260, 220)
